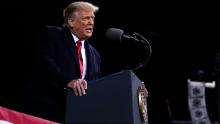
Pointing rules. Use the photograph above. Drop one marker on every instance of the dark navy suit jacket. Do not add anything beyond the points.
(55, 64)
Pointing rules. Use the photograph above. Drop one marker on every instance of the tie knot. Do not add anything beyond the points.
(79, 42)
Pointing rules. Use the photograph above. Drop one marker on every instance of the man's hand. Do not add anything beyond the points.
(79, 86)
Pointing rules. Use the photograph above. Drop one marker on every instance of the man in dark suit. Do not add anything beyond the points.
(59, 64)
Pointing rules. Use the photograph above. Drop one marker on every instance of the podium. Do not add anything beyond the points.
(119, 98)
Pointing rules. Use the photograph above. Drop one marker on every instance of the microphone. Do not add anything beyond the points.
(119, 35)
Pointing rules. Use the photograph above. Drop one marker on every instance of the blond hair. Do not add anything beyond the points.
(78, 6)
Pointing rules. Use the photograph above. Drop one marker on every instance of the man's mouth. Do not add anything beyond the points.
(89, 30)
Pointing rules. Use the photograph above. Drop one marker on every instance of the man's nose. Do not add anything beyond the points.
(91, 21)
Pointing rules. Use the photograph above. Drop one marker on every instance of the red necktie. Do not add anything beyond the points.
(79, 45)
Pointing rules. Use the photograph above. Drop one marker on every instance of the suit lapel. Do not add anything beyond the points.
(90, 61)
(69, 42)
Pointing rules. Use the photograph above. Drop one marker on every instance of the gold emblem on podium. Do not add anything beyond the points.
(142, 102)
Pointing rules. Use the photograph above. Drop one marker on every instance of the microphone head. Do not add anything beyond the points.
(114, 34)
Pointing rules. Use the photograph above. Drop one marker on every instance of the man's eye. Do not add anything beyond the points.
(85, 18)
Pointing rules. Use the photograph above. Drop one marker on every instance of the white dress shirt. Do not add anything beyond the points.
(83, 52)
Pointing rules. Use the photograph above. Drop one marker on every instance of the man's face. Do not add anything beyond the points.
(82, 24)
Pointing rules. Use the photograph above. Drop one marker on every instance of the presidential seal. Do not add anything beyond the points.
(142, 102)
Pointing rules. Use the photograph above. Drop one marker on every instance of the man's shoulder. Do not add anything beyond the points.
(93, 49)
(52, 28)
(49, 30)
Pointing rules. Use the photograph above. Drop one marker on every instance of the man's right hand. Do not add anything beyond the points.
(79, 86)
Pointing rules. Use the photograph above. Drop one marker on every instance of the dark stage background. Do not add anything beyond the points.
(184, 37)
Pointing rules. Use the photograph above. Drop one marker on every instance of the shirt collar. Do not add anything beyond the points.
(76, 39)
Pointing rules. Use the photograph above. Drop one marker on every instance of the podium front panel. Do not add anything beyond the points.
(109, 100)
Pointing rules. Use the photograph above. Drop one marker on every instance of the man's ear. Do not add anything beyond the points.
(71, 22)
